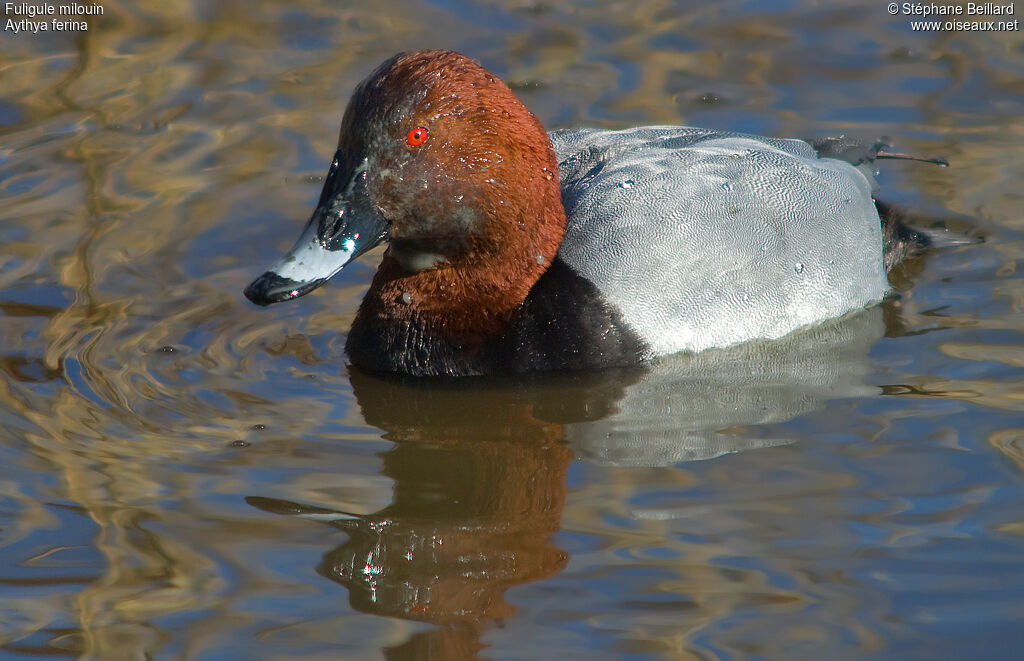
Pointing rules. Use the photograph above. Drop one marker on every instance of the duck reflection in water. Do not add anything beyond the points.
(479, 486)
(479, 466)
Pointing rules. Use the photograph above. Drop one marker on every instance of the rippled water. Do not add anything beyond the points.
(183, 475)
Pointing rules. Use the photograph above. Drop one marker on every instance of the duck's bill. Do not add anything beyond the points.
(342, 228)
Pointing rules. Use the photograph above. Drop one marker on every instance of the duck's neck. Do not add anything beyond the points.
(441, 321)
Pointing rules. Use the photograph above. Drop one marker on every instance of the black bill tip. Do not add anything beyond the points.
(273, 288)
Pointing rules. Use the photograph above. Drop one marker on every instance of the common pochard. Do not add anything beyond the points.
(512, 250)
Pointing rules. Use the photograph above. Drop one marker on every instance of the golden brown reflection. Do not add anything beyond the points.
(476, 499)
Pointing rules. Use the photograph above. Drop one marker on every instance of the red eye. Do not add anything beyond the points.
(416, 136)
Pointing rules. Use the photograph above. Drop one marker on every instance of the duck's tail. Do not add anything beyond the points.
(856, 152)
(902, 234)
(902, 240)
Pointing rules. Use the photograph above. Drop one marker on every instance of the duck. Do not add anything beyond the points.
(512, 250)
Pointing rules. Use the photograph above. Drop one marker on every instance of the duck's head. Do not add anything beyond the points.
(439, 158)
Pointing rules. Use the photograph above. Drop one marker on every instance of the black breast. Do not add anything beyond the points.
(564, 324)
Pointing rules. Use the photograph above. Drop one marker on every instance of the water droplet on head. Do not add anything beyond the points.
(798, 267)
(540, 258)
(405, 298)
